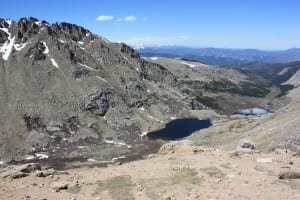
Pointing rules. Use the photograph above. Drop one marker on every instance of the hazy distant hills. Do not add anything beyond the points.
(221, 57)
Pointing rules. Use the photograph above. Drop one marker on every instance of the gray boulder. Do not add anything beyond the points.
(289, 174)
(245, 147)
(45, 172)
(19, 171)
(246, 144)
(57, 186)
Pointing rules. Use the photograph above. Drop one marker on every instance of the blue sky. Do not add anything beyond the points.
(262, 24)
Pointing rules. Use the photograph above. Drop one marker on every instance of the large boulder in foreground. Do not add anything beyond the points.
(245, 146)
(20, 171)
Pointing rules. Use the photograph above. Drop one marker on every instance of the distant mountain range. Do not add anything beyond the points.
(221, 57)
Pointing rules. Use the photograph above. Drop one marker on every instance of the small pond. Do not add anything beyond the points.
(252, 111)
(180, 128)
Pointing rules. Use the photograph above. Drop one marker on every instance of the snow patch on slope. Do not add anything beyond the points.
(19, 47)
(39, 23)
(84, 65)
(46, 51)
(189, 64)
(54, 63)
(102, 79)
(61, 41)
(5, 30)
(6, 49)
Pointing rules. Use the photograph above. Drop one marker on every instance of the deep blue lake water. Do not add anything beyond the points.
(180, 128)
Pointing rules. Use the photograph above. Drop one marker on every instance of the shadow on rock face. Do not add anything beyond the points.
(180, 128)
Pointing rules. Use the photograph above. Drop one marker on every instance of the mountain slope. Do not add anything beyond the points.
(61, 85)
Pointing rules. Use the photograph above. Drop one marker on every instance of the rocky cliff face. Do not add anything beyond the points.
(63, 86)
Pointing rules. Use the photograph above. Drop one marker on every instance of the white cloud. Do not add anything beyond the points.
(105, 17)
(129, 18)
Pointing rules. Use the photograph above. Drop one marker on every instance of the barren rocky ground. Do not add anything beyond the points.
(179, 172)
